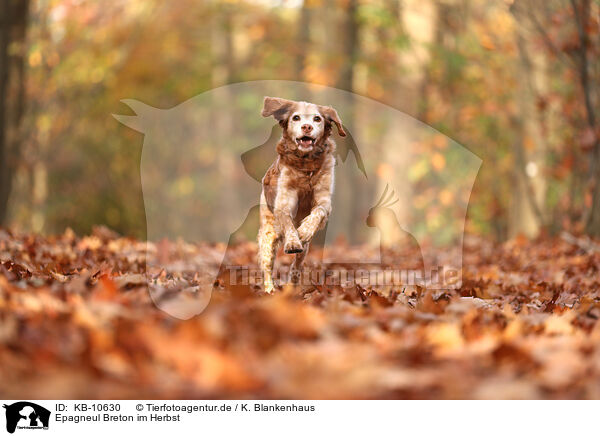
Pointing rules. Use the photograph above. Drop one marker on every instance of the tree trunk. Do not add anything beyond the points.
(224, 73)
(13, 25)
(581, 13)
(348, 37)
(527, 203)
(303, 39)
(593, 223)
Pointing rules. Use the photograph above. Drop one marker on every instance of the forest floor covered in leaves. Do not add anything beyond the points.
(77, 321)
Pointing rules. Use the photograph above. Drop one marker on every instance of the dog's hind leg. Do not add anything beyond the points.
(296, 268)
(267, 246)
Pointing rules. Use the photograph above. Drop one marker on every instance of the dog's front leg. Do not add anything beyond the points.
(286, 202)
(313, 222)
(322, 208)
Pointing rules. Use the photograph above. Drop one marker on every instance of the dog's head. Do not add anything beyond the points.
(307, 125)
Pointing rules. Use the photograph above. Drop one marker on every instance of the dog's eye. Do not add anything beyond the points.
(317, 119)
(296, 118)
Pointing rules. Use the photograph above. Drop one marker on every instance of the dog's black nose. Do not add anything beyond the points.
(307, 128)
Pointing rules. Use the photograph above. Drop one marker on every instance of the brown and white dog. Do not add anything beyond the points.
(296, 196)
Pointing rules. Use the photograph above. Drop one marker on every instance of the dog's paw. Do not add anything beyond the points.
(310, 225)
(269, 287)
(293, 245)
(295, 274)
(292, 248)
(304, 233)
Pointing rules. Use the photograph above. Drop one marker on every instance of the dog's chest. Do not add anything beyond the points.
(303, 182)
(281, 180)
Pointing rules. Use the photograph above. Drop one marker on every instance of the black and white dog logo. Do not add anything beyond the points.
(26, 415)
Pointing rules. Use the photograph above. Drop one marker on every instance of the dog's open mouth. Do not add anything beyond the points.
(305, 143)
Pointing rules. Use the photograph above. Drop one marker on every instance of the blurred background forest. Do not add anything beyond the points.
(514, 81)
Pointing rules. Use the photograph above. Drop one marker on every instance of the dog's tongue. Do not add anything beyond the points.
(305, 141)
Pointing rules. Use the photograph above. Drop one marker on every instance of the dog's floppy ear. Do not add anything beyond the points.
(332, 116)
(278, 107)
